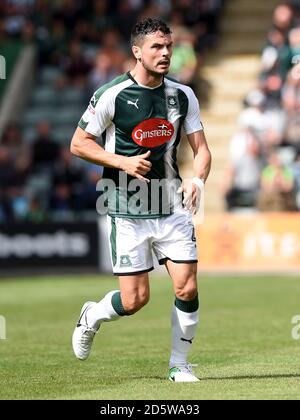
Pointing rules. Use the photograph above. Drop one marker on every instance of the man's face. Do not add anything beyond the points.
(155, 53)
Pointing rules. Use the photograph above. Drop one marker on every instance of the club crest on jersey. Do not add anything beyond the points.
(172, 102)
(153, 132)
(93, 101)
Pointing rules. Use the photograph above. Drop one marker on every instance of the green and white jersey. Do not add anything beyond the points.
(133, 119)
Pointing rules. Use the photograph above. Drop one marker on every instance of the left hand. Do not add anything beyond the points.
(192, 197)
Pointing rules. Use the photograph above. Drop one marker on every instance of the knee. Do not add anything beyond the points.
(187, 292)
(135, 302)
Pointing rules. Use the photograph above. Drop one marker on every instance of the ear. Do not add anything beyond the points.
(137, 52)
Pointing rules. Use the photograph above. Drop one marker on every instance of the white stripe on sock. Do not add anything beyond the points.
(184, 326)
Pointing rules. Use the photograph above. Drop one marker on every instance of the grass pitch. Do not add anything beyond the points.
(244, 348)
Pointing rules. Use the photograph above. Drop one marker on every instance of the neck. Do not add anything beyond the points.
(145, 78)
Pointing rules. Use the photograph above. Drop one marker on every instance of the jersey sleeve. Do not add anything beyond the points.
(99, 114)
(192, 122)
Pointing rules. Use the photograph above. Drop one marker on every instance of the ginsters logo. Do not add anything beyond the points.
(153, 132)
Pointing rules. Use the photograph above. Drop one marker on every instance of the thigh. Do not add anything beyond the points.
(129, 245)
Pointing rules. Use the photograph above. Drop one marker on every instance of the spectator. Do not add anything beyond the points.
(103, 72)
(241, 180)
(253, 116)
(272, 88)
(57, 46)
(11, 187)
(263, 121)
(125, 17)
(240, 143)
(272, 138)
(12, 139)
(67, 183)
(296, 174)
(283, 18)
(14, 21)
(35, 213)
(294, 39)
(90, 193)
(7, 174)
(291, 103)
(100, 19)
(76, 66)
(184, 59)
(276, 187)
(112, 44)
(3, 34)
(293, 130)
(44, 150)
(28, 33)
(291, 93)
(276, 57)
(70, 11)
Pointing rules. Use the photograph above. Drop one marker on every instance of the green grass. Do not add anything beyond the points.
(244, 348)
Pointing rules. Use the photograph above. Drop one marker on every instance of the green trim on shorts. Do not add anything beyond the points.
(113, 235)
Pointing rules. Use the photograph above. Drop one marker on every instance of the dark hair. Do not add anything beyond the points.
(148, 26)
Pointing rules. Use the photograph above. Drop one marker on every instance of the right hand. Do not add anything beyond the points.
(137, 166)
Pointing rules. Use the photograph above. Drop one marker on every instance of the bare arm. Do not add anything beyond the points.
(84, 145)
(202, 165)
(202, 155)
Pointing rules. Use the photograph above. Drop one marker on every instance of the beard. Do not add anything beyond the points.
(154, 72)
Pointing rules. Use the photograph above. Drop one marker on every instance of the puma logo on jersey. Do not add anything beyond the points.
(188, 341)
(133, 103)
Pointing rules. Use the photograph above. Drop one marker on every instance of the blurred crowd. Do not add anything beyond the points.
(89, 40)
(264, 170)
(87, 43)
(42, 178)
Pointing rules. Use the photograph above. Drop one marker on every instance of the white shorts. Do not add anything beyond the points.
(133, 240)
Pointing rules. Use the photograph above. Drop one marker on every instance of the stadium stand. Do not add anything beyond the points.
(227, 74)
(79, 46)
(263, 173)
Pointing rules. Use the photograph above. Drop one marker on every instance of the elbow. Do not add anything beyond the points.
(74, 149)
(209, 155)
